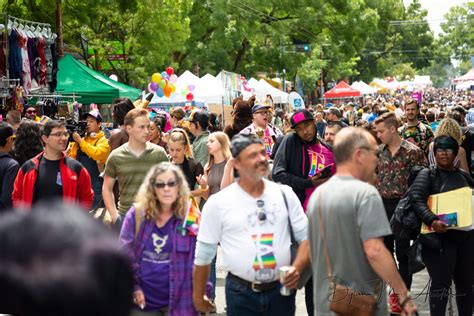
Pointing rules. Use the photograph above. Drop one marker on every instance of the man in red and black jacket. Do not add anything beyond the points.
(52, 175)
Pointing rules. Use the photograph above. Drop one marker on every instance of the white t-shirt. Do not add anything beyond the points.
(253, 249)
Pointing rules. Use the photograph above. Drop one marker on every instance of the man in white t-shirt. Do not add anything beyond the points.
(250, 220)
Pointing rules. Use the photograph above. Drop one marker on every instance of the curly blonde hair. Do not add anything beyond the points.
(147, 199)
(449, 127)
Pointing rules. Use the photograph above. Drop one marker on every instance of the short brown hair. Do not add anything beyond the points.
(14, 116)
(411, 101)
(389, 118)
(132, 115)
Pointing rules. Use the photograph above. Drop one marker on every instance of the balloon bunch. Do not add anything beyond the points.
(187, 93)
(163, 84)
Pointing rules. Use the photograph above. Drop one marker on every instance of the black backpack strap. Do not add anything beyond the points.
(73, 165)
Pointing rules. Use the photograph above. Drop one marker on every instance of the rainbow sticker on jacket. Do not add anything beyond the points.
(264, 259)
(316, 162)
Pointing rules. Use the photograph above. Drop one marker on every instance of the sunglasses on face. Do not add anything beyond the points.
(162, 185)
(447, 151)
(31, 111)
(262, 216)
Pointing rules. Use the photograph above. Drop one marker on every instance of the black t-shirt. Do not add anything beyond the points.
(451, 180)
(49, 183)
(191, 169)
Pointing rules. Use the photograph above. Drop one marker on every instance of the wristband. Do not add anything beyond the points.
(203, 189)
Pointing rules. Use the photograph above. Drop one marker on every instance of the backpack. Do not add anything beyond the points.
(405, 223)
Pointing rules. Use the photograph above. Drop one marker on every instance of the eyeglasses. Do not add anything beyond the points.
(262, 113)
(446, 151)
(31, 111)
(11, 137)
(59, 134)
(162, 185)
(262, 216)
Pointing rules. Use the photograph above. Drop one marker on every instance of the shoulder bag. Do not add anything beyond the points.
(343, 300)
(307, 272)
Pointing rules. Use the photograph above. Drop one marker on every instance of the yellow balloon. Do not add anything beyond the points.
(156, 77)
(173, 88)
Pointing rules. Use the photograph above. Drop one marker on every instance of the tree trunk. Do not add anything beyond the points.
(240, 54)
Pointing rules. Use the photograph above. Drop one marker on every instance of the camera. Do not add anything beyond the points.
(79, 127)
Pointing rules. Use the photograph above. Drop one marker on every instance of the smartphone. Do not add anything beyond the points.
(451, 219)
(325, 172)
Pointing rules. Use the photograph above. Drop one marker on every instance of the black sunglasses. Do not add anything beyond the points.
(262, 216)
(161, 185)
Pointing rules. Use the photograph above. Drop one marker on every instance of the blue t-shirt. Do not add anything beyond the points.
(155, 267)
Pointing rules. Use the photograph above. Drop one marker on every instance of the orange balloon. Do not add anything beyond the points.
(167, 91)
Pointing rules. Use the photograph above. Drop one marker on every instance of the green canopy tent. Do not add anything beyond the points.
(90, 85)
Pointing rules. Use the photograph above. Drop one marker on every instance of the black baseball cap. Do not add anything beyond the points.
(300, 116)
(6, 130)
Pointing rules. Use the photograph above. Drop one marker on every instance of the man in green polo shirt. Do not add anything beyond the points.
(130, 163)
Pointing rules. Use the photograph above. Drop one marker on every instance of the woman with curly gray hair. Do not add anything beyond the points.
(159, 245)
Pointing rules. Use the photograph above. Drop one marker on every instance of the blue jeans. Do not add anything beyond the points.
(241, 300)
(213, 278)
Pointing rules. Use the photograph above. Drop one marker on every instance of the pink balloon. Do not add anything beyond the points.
(173, 78)
(191, 87)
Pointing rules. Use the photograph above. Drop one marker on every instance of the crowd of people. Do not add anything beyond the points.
(312, 190)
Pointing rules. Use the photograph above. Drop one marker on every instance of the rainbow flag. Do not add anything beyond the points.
(192, 218)
(268, 260)
(44, 119)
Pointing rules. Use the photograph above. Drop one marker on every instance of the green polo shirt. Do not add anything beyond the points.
(200, 151)
(130, 170)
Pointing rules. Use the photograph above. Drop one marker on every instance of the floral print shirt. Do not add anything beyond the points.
(394, 171)
(421, 135)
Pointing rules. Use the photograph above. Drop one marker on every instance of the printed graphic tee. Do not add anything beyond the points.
(255, 241)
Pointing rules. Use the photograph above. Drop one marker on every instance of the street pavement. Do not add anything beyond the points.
(419, 290)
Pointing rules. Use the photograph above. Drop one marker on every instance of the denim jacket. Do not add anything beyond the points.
(181, 261)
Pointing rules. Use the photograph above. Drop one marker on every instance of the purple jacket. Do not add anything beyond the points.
(181, 262)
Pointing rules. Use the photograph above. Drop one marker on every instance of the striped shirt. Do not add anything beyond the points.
(130, 170)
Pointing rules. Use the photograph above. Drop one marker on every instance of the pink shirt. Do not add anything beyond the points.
(319, 157)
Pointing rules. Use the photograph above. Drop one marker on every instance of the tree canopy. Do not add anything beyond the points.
(359, 38)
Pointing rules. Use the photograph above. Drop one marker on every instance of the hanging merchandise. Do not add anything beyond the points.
(32, 56)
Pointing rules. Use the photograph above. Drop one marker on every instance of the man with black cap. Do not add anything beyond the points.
(92, 152)
(299, 163)
(262, 128)
(250, 220)
(8, 166)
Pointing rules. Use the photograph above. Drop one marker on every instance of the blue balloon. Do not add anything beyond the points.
(160, 92)
(164, 75)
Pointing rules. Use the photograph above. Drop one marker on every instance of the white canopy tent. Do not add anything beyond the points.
(257, 89)
(422, 81)
(363, 87)
(465, 85)
(277, 95)
(210, 89)
(186, 79)
(175, 99)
